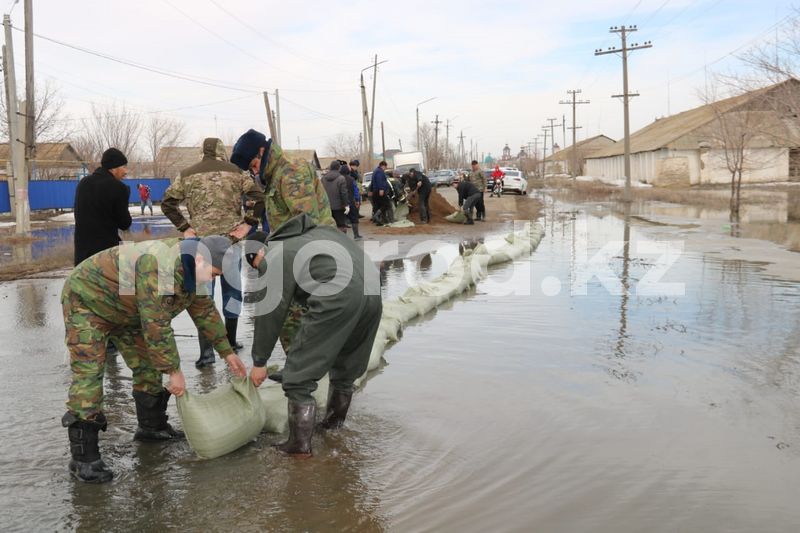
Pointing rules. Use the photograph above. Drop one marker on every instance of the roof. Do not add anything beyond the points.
(48, 154)
(668, 132)
(585, 148)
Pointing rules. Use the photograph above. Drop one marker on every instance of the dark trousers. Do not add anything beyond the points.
(480, 207)
(337, 341)
(424, 205)
(471, 202)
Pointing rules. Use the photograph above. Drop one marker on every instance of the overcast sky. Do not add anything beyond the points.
(498, 69)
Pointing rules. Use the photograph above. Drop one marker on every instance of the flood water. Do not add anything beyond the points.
(553, 411)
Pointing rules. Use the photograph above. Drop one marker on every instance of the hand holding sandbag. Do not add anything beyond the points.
(258, 375)
(236, 366)
(177, 383)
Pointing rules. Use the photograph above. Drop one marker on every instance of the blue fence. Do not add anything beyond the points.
(60, 194)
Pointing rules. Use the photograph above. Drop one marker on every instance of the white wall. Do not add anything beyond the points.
(762, 165)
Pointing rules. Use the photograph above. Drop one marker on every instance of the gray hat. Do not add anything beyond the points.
(215, 245)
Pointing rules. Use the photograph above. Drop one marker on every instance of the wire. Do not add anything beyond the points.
(141, 66)
(236, 46)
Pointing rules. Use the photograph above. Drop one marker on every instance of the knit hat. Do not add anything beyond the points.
(247, 147)
(335, 165)
(113, 158)
(355, 163)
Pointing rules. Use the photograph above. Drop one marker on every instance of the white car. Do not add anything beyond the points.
(514, 180)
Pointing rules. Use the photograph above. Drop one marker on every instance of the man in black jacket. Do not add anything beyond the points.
(468, 197)
(101, 206)
(419, 183)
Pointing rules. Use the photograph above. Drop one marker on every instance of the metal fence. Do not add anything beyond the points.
(60, 194)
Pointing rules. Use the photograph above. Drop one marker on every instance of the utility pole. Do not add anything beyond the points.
(623, 32)
(447, 143)
(535, 150)
(18, 185)
(278, 116)
(30, 94)
(365, 124)
(563, 131)
(270, 122)
(461, 161)
(544, 151)
(436, 139)
(383, 143)
(372, 110)
(400, 143)
(574, 102)
(553, 125)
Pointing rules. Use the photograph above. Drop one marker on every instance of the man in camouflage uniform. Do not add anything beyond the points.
(291, 188)
(477, 178)
(212, 190)
(130, 294)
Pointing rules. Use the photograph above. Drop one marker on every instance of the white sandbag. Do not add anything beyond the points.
(456, 217)
(222, 420)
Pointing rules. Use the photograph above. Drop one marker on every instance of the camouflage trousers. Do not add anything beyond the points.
(291, 325)
(86, 338)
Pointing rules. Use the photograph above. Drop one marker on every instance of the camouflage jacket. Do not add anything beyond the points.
(292, 188)
(140, 286)
(478, 178)
(212, 190)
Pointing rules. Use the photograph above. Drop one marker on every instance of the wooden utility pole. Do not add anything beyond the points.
(383, 143)
(544, 151)
(553, 125)
(400, 143)
(574, 102)
(436, 140)
(30, 94)
(278, 116)
(372, 110)
(461, 154)
(365, 122)
(623, 32)
(270, 122)
(447, 143)
(18, 185)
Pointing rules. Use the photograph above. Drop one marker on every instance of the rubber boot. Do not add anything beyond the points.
(468, 220)
(231, 325)
(301, 428)
(86, 464)
(338, 404)
(207, 357)
(356, 235)
(151, 412)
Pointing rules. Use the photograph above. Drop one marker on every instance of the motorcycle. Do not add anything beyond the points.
(497, 188)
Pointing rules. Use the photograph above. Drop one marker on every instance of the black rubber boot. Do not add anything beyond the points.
(301, 428)
(151, 412)
(469, 220)
(356, 235)
(231, 325)
(207, 357)
(338, 404)
(86, 464)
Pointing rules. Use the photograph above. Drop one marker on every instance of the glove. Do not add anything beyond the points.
(347, 210)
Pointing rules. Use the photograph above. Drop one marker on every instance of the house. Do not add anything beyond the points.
(54, 161)
(689, 149)
(562, 161)
(172, 159)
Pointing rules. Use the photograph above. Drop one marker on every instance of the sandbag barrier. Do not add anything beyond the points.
(229, 417)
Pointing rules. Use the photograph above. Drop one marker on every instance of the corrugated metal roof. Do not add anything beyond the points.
(48, 154)
(667, 132)
(585, 148)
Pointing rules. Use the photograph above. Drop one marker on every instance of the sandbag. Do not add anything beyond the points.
(457, 217)
(402, 223)
(222, 420)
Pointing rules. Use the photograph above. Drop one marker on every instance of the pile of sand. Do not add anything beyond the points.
(440, 208)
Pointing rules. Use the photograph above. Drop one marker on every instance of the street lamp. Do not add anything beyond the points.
(419, 147)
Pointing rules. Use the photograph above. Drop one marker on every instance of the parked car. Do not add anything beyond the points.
(365, 182)
(443, 178)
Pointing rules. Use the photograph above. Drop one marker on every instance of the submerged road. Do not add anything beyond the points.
(527, 404)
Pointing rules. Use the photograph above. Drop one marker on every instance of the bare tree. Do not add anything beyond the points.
(52, 123)
(109, 126)
(162, 132)
(738, 124)
(344, 146)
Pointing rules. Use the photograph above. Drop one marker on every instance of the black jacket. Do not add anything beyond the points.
(465, 190)
(101, 210)
(424, 182)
